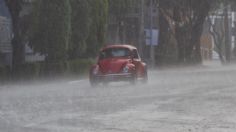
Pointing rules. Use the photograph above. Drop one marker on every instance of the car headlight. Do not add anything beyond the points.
(126, 69)
(96, 70)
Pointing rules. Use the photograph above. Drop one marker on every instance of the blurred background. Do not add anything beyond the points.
(42, 38)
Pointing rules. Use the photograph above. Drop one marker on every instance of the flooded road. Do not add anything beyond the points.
(191, 99)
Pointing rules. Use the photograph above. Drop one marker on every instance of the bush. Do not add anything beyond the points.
(53, 69)
(35, 70)
(80, 66)
(29, 71)
(4, 73)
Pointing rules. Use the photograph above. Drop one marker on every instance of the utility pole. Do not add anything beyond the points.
(152, 47)
(141, 30)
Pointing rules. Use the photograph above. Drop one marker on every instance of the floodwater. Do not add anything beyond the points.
(189, 99)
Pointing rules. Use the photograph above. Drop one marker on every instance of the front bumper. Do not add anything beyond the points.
(114, 77)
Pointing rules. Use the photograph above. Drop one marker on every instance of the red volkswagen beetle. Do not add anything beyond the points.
(118, 63)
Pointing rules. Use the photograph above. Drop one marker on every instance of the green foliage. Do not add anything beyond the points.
(4, 73)
(80, 66)
(68, 28)
(51, 30)
(98, 14)
(29, 71)
(54, 68)
(89, 21)
(80, 23)
(119, 8)
(37, 70)
(189, 17)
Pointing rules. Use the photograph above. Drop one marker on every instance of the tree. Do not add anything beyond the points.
(51, 29)
(218, 21)
(186, 19)
(80, 24)
(15, 7)
(98, 15)
(218, 33)
(119, 9)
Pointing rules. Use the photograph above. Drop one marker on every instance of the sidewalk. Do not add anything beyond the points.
(212, 63)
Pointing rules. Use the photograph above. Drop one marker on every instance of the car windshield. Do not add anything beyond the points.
(114, 52)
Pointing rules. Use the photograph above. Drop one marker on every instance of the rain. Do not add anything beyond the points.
(117, 66)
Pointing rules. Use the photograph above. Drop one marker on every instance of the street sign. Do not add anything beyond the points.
(151, 40)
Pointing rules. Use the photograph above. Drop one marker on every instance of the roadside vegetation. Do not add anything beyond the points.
(70, 32)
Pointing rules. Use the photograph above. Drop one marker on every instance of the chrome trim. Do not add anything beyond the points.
(118, 74)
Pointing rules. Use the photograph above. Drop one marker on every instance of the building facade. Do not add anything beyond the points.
(5, 35)
(5, 41)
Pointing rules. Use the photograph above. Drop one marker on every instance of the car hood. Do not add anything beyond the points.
(112, 65)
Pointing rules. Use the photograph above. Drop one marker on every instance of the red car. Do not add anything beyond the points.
(118, 63)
